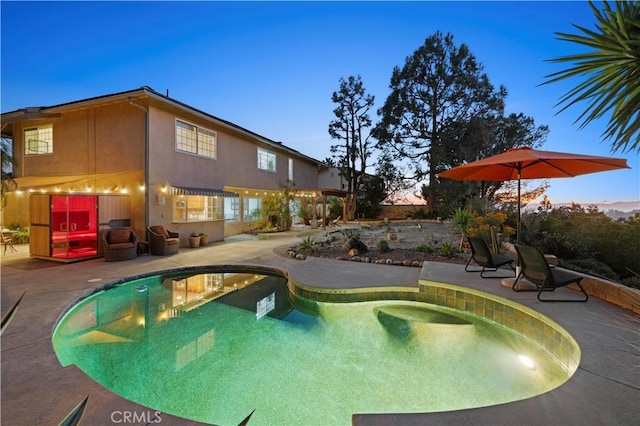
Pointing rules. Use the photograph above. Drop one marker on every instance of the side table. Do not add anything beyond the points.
(143, 247)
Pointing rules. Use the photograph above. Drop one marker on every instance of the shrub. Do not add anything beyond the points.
(425, 248)
(447, 250)
(481, 226)
(22, 236)
(383, 246)
(590, 266)
(462, 219)
(349, 233)
(355, 243)
(563, 246)
(633, 282)
(420, 214)
(578, 233)
(306, 244)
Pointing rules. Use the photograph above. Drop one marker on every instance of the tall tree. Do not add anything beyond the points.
(479, 138)
(611, 72)
(352, 121)
(440, 85)
(370, 196)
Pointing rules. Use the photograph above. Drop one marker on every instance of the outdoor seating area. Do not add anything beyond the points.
(120, 244)
(163, 242)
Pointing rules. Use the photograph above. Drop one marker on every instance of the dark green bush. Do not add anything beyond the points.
(425, 248)
(383, 246)
(420, 214)
(22, 236)
(587, 236)
(447, 250)
(590, 266)
(633, 281)
(355, 243)
(562, 245)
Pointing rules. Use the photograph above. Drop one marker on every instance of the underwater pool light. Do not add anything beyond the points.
(527, 362)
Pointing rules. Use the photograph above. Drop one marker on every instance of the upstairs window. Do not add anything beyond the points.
(38, 140)
(266, 160)
(195, 140)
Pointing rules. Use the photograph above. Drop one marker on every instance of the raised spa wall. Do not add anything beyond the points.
(547, 334)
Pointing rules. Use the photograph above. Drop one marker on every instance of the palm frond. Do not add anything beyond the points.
(610, 72)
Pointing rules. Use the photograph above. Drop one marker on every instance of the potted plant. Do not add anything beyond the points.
(194, 240)
(204, 239)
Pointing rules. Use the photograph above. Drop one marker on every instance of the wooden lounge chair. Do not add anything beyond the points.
(534, 267)
(482, 255)
(7, 242)
(334, 222)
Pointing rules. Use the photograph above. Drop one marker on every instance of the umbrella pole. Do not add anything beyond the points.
(518, 227)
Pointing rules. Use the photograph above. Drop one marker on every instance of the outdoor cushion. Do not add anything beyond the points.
(118, 246)
(159, 229)
(119, 236)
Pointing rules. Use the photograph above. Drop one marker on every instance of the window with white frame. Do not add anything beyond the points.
(232, 209)
(195, 140)
(251, 209)
(38, 140)
(291, 169)
(266, 160)
(196, 208)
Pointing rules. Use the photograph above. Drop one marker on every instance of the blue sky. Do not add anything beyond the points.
(271, 67)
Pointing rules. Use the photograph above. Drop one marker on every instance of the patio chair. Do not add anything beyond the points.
(535, 268)
(482, 255)
(163, 242)
(120, 244)
(7, 242)
(334, 222)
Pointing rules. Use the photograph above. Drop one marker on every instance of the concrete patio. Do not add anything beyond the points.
(37, 390)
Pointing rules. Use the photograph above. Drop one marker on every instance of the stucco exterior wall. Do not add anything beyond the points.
(107, 137)
(85, 141)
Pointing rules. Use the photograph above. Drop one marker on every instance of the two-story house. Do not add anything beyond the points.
(140, 158)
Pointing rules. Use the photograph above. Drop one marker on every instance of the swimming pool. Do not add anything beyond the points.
(215, 344)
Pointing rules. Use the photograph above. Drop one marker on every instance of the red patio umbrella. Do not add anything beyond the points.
(527, 163)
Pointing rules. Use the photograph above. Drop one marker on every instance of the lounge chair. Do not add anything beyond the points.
(535, 268)
(334, 222)
(482, 255)
(163, 242)
(120, 244)
(7, 241)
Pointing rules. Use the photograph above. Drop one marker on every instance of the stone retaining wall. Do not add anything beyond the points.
(614, 293)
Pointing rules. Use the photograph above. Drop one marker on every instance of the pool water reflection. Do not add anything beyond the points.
(213, 346)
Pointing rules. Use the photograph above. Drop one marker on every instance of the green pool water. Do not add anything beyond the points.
(194, 346)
